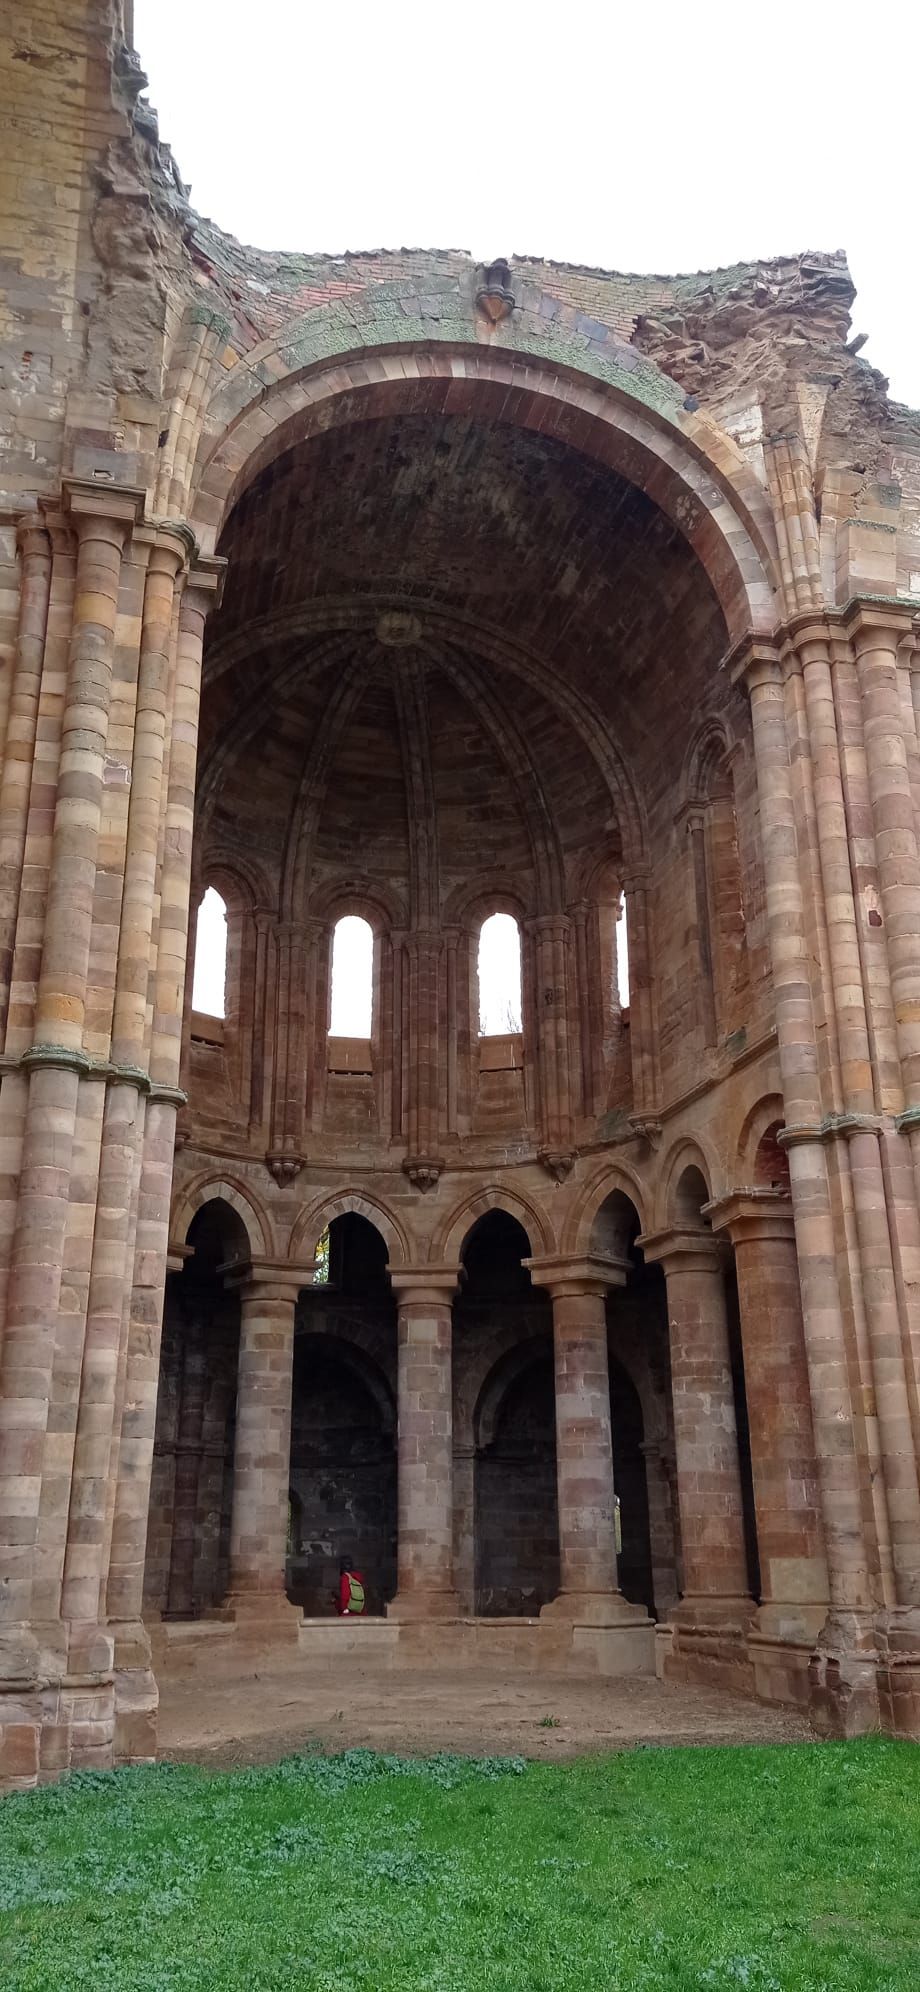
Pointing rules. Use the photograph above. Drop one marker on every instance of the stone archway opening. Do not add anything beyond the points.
(188, 1530)
(342, 1485)
(641, 1422)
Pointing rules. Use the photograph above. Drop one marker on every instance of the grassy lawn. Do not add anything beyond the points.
(785, 1869)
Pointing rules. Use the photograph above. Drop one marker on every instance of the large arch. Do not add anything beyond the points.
(683, 462)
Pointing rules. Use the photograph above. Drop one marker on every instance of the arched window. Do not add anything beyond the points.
(209, 986)
(351, 1008)
(499, 976)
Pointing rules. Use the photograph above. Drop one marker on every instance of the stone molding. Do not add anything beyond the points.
(589, 1272)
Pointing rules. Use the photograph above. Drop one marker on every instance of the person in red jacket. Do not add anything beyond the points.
(351, 1591)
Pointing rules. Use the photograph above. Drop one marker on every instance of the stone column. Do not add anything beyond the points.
(135, 1688)
(22, 721)
(262, 1454)
(425, 1560)
(551, 933)
(589, 1592)
(56, 1065)
(716, 1589)
(790, 1538)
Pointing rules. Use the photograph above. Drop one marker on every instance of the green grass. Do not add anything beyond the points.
(785, 1869)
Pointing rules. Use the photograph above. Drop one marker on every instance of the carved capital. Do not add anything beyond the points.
(284, 1166)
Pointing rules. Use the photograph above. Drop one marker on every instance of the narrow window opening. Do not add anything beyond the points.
(352, 999)
(321, 1260)
(499, 976)
(209, 985)
(621, 955)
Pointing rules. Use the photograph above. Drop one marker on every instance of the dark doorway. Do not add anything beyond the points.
(343, 1425)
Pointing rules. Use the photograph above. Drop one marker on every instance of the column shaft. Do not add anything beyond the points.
(705, 1428)
(262, 1454)
(584, 1452)
(425, 1578)
(790, 1538)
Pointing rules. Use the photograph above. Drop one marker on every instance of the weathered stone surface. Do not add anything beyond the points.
(602, 596)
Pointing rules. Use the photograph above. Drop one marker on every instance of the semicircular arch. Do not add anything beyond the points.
(628, 415)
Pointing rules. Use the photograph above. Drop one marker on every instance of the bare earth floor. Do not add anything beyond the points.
(267, 1714)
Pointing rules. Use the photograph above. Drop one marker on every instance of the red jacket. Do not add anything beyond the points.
(351, 1594)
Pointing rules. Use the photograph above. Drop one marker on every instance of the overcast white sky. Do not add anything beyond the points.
(634, 136)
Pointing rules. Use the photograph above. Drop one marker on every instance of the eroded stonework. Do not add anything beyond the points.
(395, 586)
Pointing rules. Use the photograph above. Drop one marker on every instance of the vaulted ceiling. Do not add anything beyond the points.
(448, 650)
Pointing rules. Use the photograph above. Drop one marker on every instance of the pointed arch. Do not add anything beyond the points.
(208, 1188)
(451, 1234)
(312, 1222)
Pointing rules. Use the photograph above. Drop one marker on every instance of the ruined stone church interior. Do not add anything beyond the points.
(459, 962)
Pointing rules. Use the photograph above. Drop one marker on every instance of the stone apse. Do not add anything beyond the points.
(400, 588)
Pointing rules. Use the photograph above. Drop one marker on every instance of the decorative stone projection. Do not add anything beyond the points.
(587, 598)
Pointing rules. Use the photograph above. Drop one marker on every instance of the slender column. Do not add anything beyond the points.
(588, 1585)
(551, 941)
(705, 1431)
(135, 1689)
(696, 832)
(16, 780)
(790, 1538)
(877, 633)
(849, 1577)
(425, 1574)
(262, 1454)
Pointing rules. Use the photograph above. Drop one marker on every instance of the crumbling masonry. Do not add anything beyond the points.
(391, 585)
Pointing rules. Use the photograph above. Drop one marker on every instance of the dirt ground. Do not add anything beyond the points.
(261, 1716)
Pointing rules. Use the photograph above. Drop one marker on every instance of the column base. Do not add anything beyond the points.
(270, 1612)
(594, 1608)
(424, 1605)
(709, 1642)
(137, 1697)
(898, 1635)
